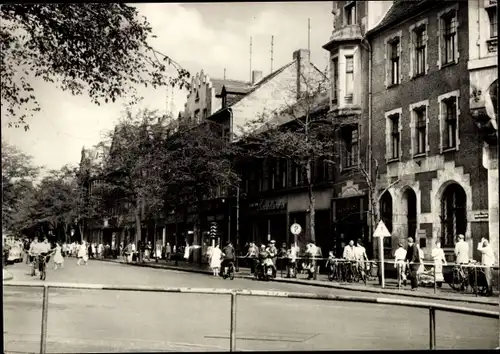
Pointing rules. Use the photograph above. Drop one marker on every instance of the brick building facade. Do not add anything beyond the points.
(423, 137)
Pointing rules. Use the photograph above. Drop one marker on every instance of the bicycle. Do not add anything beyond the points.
(40, 261)
(460, 280)
(228, 271)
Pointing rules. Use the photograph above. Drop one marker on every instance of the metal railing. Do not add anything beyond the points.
(432, 307)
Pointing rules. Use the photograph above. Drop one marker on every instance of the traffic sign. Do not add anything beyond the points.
(381, 230)
(296, 229)
(213, 229)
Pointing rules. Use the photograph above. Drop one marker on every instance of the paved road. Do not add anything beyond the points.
(90, 321)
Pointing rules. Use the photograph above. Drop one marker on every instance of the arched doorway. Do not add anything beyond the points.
(386, 213)
(410, 204)
(453, 214)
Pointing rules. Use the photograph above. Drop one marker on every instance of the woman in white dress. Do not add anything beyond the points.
(82, 253)
(58, 258)
(439, 260)
(215, 260)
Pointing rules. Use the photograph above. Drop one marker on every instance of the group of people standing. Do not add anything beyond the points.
(413, 257)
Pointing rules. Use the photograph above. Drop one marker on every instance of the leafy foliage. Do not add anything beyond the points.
(100, 49)
(18, 174)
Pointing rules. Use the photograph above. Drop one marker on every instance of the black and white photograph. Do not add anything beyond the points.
(249, 176)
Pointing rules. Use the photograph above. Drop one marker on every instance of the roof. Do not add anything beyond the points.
(262, 82)
(236, 86)
(402, 10)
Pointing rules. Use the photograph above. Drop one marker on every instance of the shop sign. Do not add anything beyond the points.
(481, 215)
(272, 205)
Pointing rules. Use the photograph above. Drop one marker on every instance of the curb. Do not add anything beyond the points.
(325, 285)
(7, 275)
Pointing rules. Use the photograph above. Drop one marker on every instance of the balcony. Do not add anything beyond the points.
(344, 34)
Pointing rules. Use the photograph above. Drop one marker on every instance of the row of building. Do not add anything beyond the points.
(412, 90)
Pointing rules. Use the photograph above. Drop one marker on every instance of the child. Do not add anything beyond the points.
(58, 258)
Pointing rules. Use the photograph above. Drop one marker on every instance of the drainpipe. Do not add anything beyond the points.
(370, 156)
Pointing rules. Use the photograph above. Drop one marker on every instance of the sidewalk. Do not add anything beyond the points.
(446, 293)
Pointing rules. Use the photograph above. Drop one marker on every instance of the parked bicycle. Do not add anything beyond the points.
(465, 276)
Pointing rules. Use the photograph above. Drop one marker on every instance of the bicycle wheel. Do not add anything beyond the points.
(456, 282)
(231, 272)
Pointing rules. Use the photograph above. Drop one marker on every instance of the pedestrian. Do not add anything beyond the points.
(89, 250)
(100, 250)
(158, 251)
(282, 258)
(186, 252)
(129, 252)
(58, 258)
(215, 260)
(94, 250)
(487, 261)
(421, 255)
(252, 254)
(462, 250)
(147, 251)
(82, 254)
(439, 260)
(413, 259)
(168, 251)
(400, 262)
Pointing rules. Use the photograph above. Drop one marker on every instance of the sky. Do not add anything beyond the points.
(208, 36)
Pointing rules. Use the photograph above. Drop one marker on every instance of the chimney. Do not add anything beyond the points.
(256, 76)
(302, 56)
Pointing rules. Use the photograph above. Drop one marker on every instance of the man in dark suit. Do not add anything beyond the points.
(413, 258)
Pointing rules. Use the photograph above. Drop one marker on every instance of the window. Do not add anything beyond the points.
(296, 177)
(335, 86)
(282, 173)
(349, 78)
(350, 13)
(350, 140)
(450, 123)
(420, 50)
(448, 36)
(492, 14)
(421, 143)
(393, 134)
(394, 54)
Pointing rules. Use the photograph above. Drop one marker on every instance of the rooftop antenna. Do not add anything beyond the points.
(272, 53)
(250, 59)
(309, 34)
(224, 73)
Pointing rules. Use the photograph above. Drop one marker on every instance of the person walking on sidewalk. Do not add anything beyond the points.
(413, 259)
(439, 260)
(58, 258)
(487, 261)
(147, 251)
(168, 251)
(82, 254)
(215, 260)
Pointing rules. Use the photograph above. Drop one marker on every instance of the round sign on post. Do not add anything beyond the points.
(295, 229)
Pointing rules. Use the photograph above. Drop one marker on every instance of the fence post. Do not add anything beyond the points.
(432, 328)
(475, 280)
(232, 329)
(45, 308)
(435, 285)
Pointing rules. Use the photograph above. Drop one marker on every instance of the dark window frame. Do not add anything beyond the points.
(450, 123)
(449, 22)
(395, 136)
(395, 61)
(420, 50)
(421, 130)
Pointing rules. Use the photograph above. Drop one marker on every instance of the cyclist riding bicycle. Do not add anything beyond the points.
(229, 255)
(38, 250)
(350, 255)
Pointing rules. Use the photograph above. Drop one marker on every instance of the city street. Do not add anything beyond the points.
(90, 321)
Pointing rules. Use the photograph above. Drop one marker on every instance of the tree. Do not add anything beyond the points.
(98, 49)
(300, 132)
(55, 202)
(18, 174)
(200, 163)
(133, 174)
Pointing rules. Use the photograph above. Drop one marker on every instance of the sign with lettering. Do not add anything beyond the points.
(272, 205)
(481, 215)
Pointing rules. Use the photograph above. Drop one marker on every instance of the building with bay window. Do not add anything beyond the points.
(430, 157)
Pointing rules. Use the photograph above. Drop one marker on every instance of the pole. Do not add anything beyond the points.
(435, 284)
(237, 224)
(309, 34)
(432, 328)
(232, 329)
(381, 251)
(45, 309)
